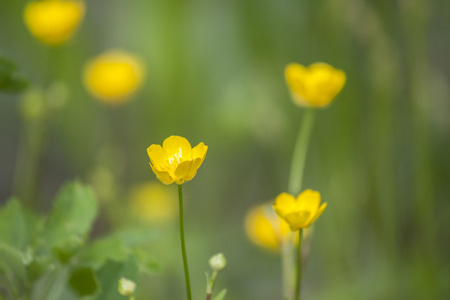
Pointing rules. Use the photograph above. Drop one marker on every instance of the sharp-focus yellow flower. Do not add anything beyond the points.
(176, 161)
(300, 212)
(53, 21)
(153, 203)
(113, 76)
(265, 228)
(314, 86)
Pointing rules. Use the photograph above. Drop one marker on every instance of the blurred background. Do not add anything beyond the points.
(379, 154)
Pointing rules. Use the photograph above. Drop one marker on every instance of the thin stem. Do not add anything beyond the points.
(183, 247)
(300, 150)
(210, 286)
(299, 267)
(287, 268)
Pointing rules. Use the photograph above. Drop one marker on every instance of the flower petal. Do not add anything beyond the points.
(308, 200)
(177, 149)
(284, 204)
(319, 212)
(298, 219)
(158, 157)
(163, 176)
(183, 169)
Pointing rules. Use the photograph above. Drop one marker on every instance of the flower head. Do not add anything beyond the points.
(176, 161)
(152, 203)
(314, 86)
(265, 228)
(113, 76)
(300, 212)
(53, 21)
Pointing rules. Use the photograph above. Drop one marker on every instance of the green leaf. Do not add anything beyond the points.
(108, 277)
(83, 282)
(9, 82)
(11, 262)
(13, 228)
(51, 286)
(73, 214)
(221, 295)
(107, 248)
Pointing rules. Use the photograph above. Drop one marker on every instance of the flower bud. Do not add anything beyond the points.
(126, 287)
(218, 262)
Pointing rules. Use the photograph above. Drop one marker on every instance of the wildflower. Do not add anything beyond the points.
(176, 161)
(113, 76)
(300, 212)
(218, 262)
(53, 21)
(314, 86)
(265, 228)
(152, 203)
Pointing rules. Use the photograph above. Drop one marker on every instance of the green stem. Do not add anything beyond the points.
(210, 286)
(301, 147)
(287, 266)
(299, 267)
(183, 247)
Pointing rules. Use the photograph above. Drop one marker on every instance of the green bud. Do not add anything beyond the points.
(126, 287)
(218, 262)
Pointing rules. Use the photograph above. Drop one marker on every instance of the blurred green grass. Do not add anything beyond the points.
(379, 153)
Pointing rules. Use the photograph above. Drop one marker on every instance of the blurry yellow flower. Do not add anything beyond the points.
(314, 86)
(265, 228)
(113, 76)
(153, 203)
(176, 161)
(300, 212)
(53, 21)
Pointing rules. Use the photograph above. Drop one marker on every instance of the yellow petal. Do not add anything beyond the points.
(163, 176)
(190, 176)
(183, 170)
(298, 219)
(284, 204)
(308, 200)
(158, 157)
(177, 149)
(318, 213)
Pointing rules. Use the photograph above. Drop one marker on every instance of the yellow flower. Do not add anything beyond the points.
(53, 21)
(153, 203)
(176, 161)
(314, 86)
(265, 228)
(113, 76)
(300, 212)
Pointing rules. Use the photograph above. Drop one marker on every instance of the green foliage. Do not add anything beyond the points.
(13, 229)
(51, 258)
(109, 275)
(83, 281)
(73, 214)
(221, 295)
(9, 82)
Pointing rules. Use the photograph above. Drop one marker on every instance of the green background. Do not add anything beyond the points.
(379, 154)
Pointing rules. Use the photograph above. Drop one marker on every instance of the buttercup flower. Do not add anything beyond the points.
(113, 76)
(265, 228)
(53, 21)
(314, 86)
(300, 212)
(176, 161)
(152, 203)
